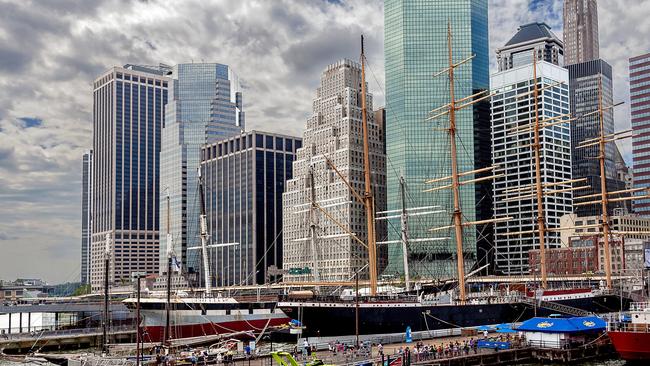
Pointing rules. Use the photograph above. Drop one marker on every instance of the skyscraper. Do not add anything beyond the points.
(640, 110)
(580, 31)
(334, 131)
(86, 201)
(128, 114)
(514, 157)
(205, 105)
(415, 38)
(518, 51)
(585, 79)
(244, 179)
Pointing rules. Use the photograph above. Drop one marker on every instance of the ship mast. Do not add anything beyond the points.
(541, 223)
(450, 109)
(367, 196)
(312, 225)
(404, 222)
(204, 239)
(604, 200)
(455, 186)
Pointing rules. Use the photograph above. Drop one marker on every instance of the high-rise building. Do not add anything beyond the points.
(585, 79)
(128, 115)
(536, 37)
(86, 201)
(334, 133)
(244, 179)
(640, 113)
(415, 46)
(580, 31)
(205, 106)
(515, 160)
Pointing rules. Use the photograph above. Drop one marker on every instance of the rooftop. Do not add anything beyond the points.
(530, 32)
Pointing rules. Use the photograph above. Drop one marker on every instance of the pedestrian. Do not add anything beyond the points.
(305, 348)
(485, 334)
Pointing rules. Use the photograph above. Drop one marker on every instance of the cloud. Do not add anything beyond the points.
(50, 53)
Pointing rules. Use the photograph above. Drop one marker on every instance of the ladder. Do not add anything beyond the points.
(551, 305)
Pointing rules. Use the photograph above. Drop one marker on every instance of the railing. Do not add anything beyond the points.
(640, 306)
(65, 332)
(628, 327)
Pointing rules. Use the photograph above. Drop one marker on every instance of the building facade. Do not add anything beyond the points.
(514, 157)
(635, 226)
(205, 106)
(584, 255)
(585, 80)
(244, 179)
(334, 132)
(531, 39)
(86, 200)
(415, 48)
(640, 114)
(128, 115)
(580, 31)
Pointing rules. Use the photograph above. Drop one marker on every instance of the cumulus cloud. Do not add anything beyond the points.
(50, 53)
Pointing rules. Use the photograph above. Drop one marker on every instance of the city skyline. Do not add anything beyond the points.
(45, 116)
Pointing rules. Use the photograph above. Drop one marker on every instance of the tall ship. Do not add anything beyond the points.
(631, 335)
(179, 315)
(373, 310)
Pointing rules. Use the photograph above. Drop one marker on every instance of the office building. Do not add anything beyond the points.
(244, 180)
(334, 133)
(585, 79)
(514, 156)
(415, 48)
(86, 200)
(205, 106)
(635, 226)
(584, 255)
(128, 115)
(640, 114)
(580, 31)
(531, 39)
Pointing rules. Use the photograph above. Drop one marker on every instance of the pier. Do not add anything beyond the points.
(62, 339)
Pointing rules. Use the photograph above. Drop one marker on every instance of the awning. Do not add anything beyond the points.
(563, 325)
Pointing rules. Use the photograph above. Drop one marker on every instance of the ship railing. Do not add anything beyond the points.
(628, 327)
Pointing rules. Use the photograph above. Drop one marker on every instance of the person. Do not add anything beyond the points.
(305, 348)
(219, 358)
(485, 334)
(380, 348)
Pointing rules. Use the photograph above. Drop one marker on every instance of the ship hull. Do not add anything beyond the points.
(195, 319)
(631, 346)
(331, 319)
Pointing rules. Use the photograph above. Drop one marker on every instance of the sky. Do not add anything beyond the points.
(50, 52)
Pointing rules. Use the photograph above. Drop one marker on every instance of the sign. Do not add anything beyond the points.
(409, 337)
(300, 271)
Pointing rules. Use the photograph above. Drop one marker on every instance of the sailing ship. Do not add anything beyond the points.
(378, 313)
(180, 316)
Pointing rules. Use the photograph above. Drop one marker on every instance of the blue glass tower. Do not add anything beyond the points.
(416, 49)
(205, 106)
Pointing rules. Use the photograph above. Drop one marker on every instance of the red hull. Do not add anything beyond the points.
(155, 333)
(631, 345)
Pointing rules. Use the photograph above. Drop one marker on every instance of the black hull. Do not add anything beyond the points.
(340, 321)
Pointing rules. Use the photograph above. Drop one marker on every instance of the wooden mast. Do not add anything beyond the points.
(538, 179)
(368, 198)
(455, 183)
(603, 187)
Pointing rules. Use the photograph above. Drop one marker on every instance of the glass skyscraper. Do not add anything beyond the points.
(416, 49)
(128, 114)
(639, 69)
(205, 106)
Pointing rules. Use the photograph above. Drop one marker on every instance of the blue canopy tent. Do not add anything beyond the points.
(564, 325)
(483, 328)
(506, 330)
